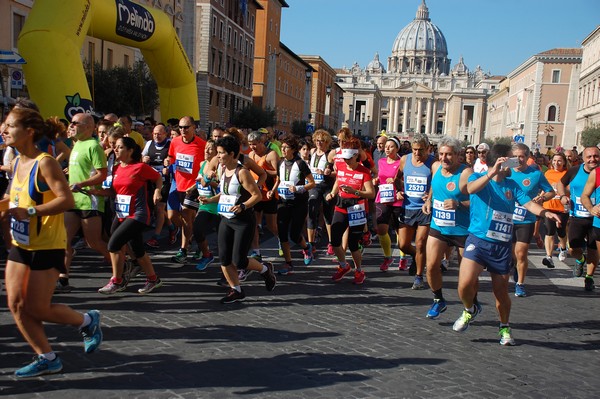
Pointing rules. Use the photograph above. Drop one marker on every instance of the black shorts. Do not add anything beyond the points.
(268, 207)
(85, 213)
(523, 232)
(43, 259)
(190, 200)
(581, 233)
(551, 228)
(414, 218)
(388, 214)
(451, 241)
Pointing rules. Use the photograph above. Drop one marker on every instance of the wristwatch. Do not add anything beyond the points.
(243, 207)
(31, 211)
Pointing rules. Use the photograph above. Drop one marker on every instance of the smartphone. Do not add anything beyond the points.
(511, 163)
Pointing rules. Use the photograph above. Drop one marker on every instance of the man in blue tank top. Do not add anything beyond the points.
(580, 229)
(448, 206)
(488, 246)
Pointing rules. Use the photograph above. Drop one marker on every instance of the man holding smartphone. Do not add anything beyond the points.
(535, 185)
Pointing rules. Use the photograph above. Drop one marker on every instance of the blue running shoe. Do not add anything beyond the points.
(92, 333)
(438, 307)
(520, 290)
(478, 309)
(205, 261)
(578, 267)
(40, 366)
(308, 255)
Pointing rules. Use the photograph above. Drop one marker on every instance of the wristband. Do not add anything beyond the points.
(243, 207)
(300, 189)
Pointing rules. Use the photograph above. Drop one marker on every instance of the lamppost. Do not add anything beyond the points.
(351, 117)
(308, 76)
(340, 111)
(327, 105)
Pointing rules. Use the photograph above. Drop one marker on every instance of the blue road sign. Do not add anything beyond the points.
(519, 138)
(10, 57)
(310, 128)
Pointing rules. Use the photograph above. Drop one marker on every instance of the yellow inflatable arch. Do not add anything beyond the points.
(53, 36)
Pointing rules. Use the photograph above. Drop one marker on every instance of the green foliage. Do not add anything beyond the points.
(299, 128)
(122, 90)
(590, 136)
(254, 117)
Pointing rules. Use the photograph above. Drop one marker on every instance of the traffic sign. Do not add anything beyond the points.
(16, 80)
(519, 138)
(310, 128)
(10, 57)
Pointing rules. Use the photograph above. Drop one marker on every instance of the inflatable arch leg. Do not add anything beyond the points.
(55, 31)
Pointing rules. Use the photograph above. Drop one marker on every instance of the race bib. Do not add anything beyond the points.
(122, 206)
(226, 202)
(416, 186)
(387, 193)
(357, 215)
(580, 211)
(205, 192)
(520, 213)
(184, 163)
(20, 230)
(319, 177)
(443, 217)
(284, 190)
(501, 226)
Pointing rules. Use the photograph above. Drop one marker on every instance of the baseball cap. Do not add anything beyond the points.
(483, 147)
(348, 153)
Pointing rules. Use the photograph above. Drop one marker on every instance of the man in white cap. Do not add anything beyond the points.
(480, 164)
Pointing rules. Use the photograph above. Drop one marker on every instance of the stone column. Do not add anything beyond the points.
(428, 117)
(434, 115)
(405, 116)
(392, 114)
(419, 113)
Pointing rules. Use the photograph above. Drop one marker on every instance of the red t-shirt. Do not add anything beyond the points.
(354, 178)
(186, 157)
(129, 183)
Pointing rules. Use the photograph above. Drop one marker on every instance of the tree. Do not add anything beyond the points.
(590, 136)
(123, 90)
(254, 117)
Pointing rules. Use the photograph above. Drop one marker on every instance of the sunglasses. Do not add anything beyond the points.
(481, 152)
(185, 127)
(469, 152)
(75, 123)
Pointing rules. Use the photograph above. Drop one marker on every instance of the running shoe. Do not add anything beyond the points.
(578, 267)
(562, 254)
(418, 283)
(173, 234)
(81, 244)
(180, 256)
(341, 272)
(387, 262)
(260, 229)
(366, 239)
(444, 265)
(112, 287)
(150, 286)
(330, 251)
(403, 264)
(548, 262)
(478, 310)
(255, 255)
(465, 319)
(308, 255)
(520, 290)
(269, 277)
(153, 243)
(233, 296)
(318, 234)
(589, 283)
(412, 269)
(359, 277)
(438, 307)
(279, 249)
(92, 333)
(40, 366)
(205, 261)
(506, 338)
(243, 275)
(286, 269)
(62, 289)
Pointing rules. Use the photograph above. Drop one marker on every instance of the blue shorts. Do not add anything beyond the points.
(173, 203)
(493, 256)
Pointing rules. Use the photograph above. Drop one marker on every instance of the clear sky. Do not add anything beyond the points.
(499, 35)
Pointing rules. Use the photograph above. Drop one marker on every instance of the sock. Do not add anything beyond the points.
(118, 280)
(63, 281)
(184, 250)
(86, 321)
(206, 254)
(386, 245)
(342, 264)
(402, 254)
(257, 251)
(582, 259)
(49, 356)
(437, 294)
(264, 269)
(153, 278)
(471, 309)
(504, 325)
(589, 275)
(237, 288)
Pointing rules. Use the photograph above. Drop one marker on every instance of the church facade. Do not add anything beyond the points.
(418, 90)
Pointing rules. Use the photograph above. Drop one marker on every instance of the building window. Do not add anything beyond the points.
(551, 113)
(235, 40)
(109, 58)
(222, 34)
(556, 76)
(214, 28)
(219, 69)
(210, 98)
(229, 36)
(18, 22)
(271, 25)
(213, 57)
(218, 104)
(126, 61)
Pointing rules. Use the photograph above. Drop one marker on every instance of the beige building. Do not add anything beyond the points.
(418, 91)
(326, 97)
(588, 101)
(537, 104)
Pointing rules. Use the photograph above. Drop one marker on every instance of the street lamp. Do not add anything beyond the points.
(327, 105)
(351, 117)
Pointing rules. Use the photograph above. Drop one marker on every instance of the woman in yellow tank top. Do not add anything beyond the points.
(38, 198)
